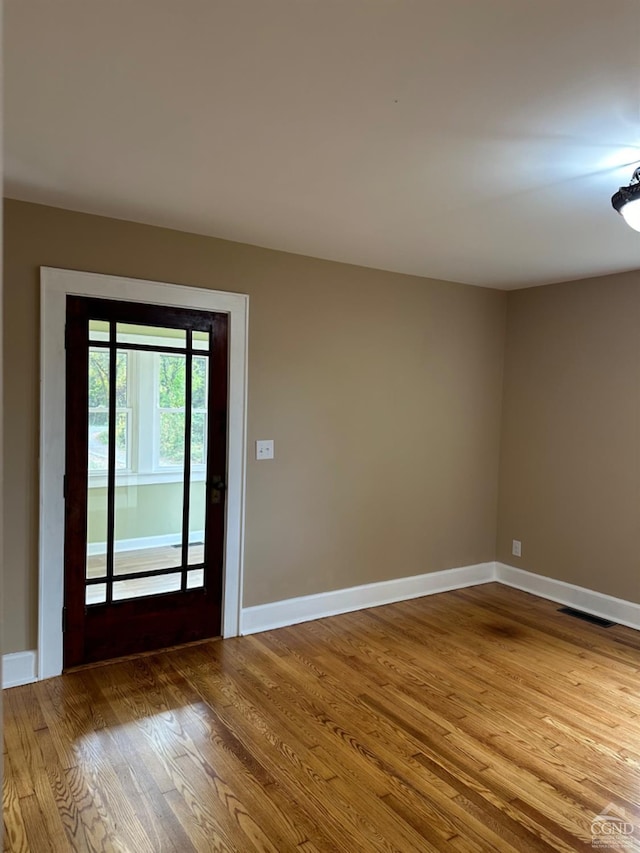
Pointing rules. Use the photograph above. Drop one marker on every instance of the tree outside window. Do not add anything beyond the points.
(99, 410)
(162, 423)
(171, 409)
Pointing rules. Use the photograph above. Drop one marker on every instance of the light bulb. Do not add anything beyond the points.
(631, 213)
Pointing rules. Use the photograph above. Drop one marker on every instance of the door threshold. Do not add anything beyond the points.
(124, 658)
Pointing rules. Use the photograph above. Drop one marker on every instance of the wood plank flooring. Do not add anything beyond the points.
(143, 560)
(476, 720)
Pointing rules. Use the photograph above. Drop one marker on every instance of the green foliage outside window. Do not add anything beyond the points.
(171, 395)
(99, 399)
(99, 380)
(171, 392)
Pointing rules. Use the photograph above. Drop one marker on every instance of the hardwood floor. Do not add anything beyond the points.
(477, 720)
(142, 560)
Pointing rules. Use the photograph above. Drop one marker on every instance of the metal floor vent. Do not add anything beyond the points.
(179, 545)
(587, 617)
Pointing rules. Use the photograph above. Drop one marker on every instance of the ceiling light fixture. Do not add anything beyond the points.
(627, 201)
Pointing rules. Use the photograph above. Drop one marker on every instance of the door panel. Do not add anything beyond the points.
(145, 452)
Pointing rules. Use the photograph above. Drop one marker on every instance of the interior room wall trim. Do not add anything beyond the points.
(278, 614)
(20, 667)
(596, 603)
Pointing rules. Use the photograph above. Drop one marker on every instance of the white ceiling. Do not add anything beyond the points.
(471, 140)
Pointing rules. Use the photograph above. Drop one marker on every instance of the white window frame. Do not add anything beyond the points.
(56, 284)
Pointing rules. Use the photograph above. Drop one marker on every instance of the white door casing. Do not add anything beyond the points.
(56, 284)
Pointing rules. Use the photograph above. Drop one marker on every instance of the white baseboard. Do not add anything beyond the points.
(97, 548)
(278, 614)
(596, 603)
(18, 668)
(291, 611)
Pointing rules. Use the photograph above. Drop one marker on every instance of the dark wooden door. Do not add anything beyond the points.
(146, 458)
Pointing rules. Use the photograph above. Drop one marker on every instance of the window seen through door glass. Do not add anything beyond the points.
(149, 435)
(99, 383)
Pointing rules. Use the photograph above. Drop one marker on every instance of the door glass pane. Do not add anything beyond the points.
(195, 579)
(198, 485)
(96, 593)
(98, 330)
(98, 409)
(97, 462)
(96, 530)
(197, 501)
(171, 394)
(146, 586)
(199, 400)
(148, 526)
(133, 554)
(148, 504)
(200, 340)
(98, 441)
(148, 443)
(172, 426)
(198, 439)
(129, 333)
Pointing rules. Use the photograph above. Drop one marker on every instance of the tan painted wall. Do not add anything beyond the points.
(146, 510)
(570, 460)
(382, 392)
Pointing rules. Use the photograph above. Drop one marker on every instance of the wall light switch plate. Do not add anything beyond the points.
(516, 548)
(264, 449)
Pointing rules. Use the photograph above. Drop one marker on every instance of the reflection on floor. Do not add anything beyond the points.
(475, 720)
(144, 560)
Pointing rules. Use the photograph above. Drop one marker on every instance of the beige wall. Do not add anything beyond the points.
(147, 510)
(382, 392)
(570, 450)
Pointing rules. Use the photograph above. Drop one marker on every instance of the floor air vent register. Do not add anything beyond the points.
(587, 617)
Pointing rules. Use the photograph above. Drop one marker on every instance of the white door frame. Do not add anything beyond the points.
(55, 284)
